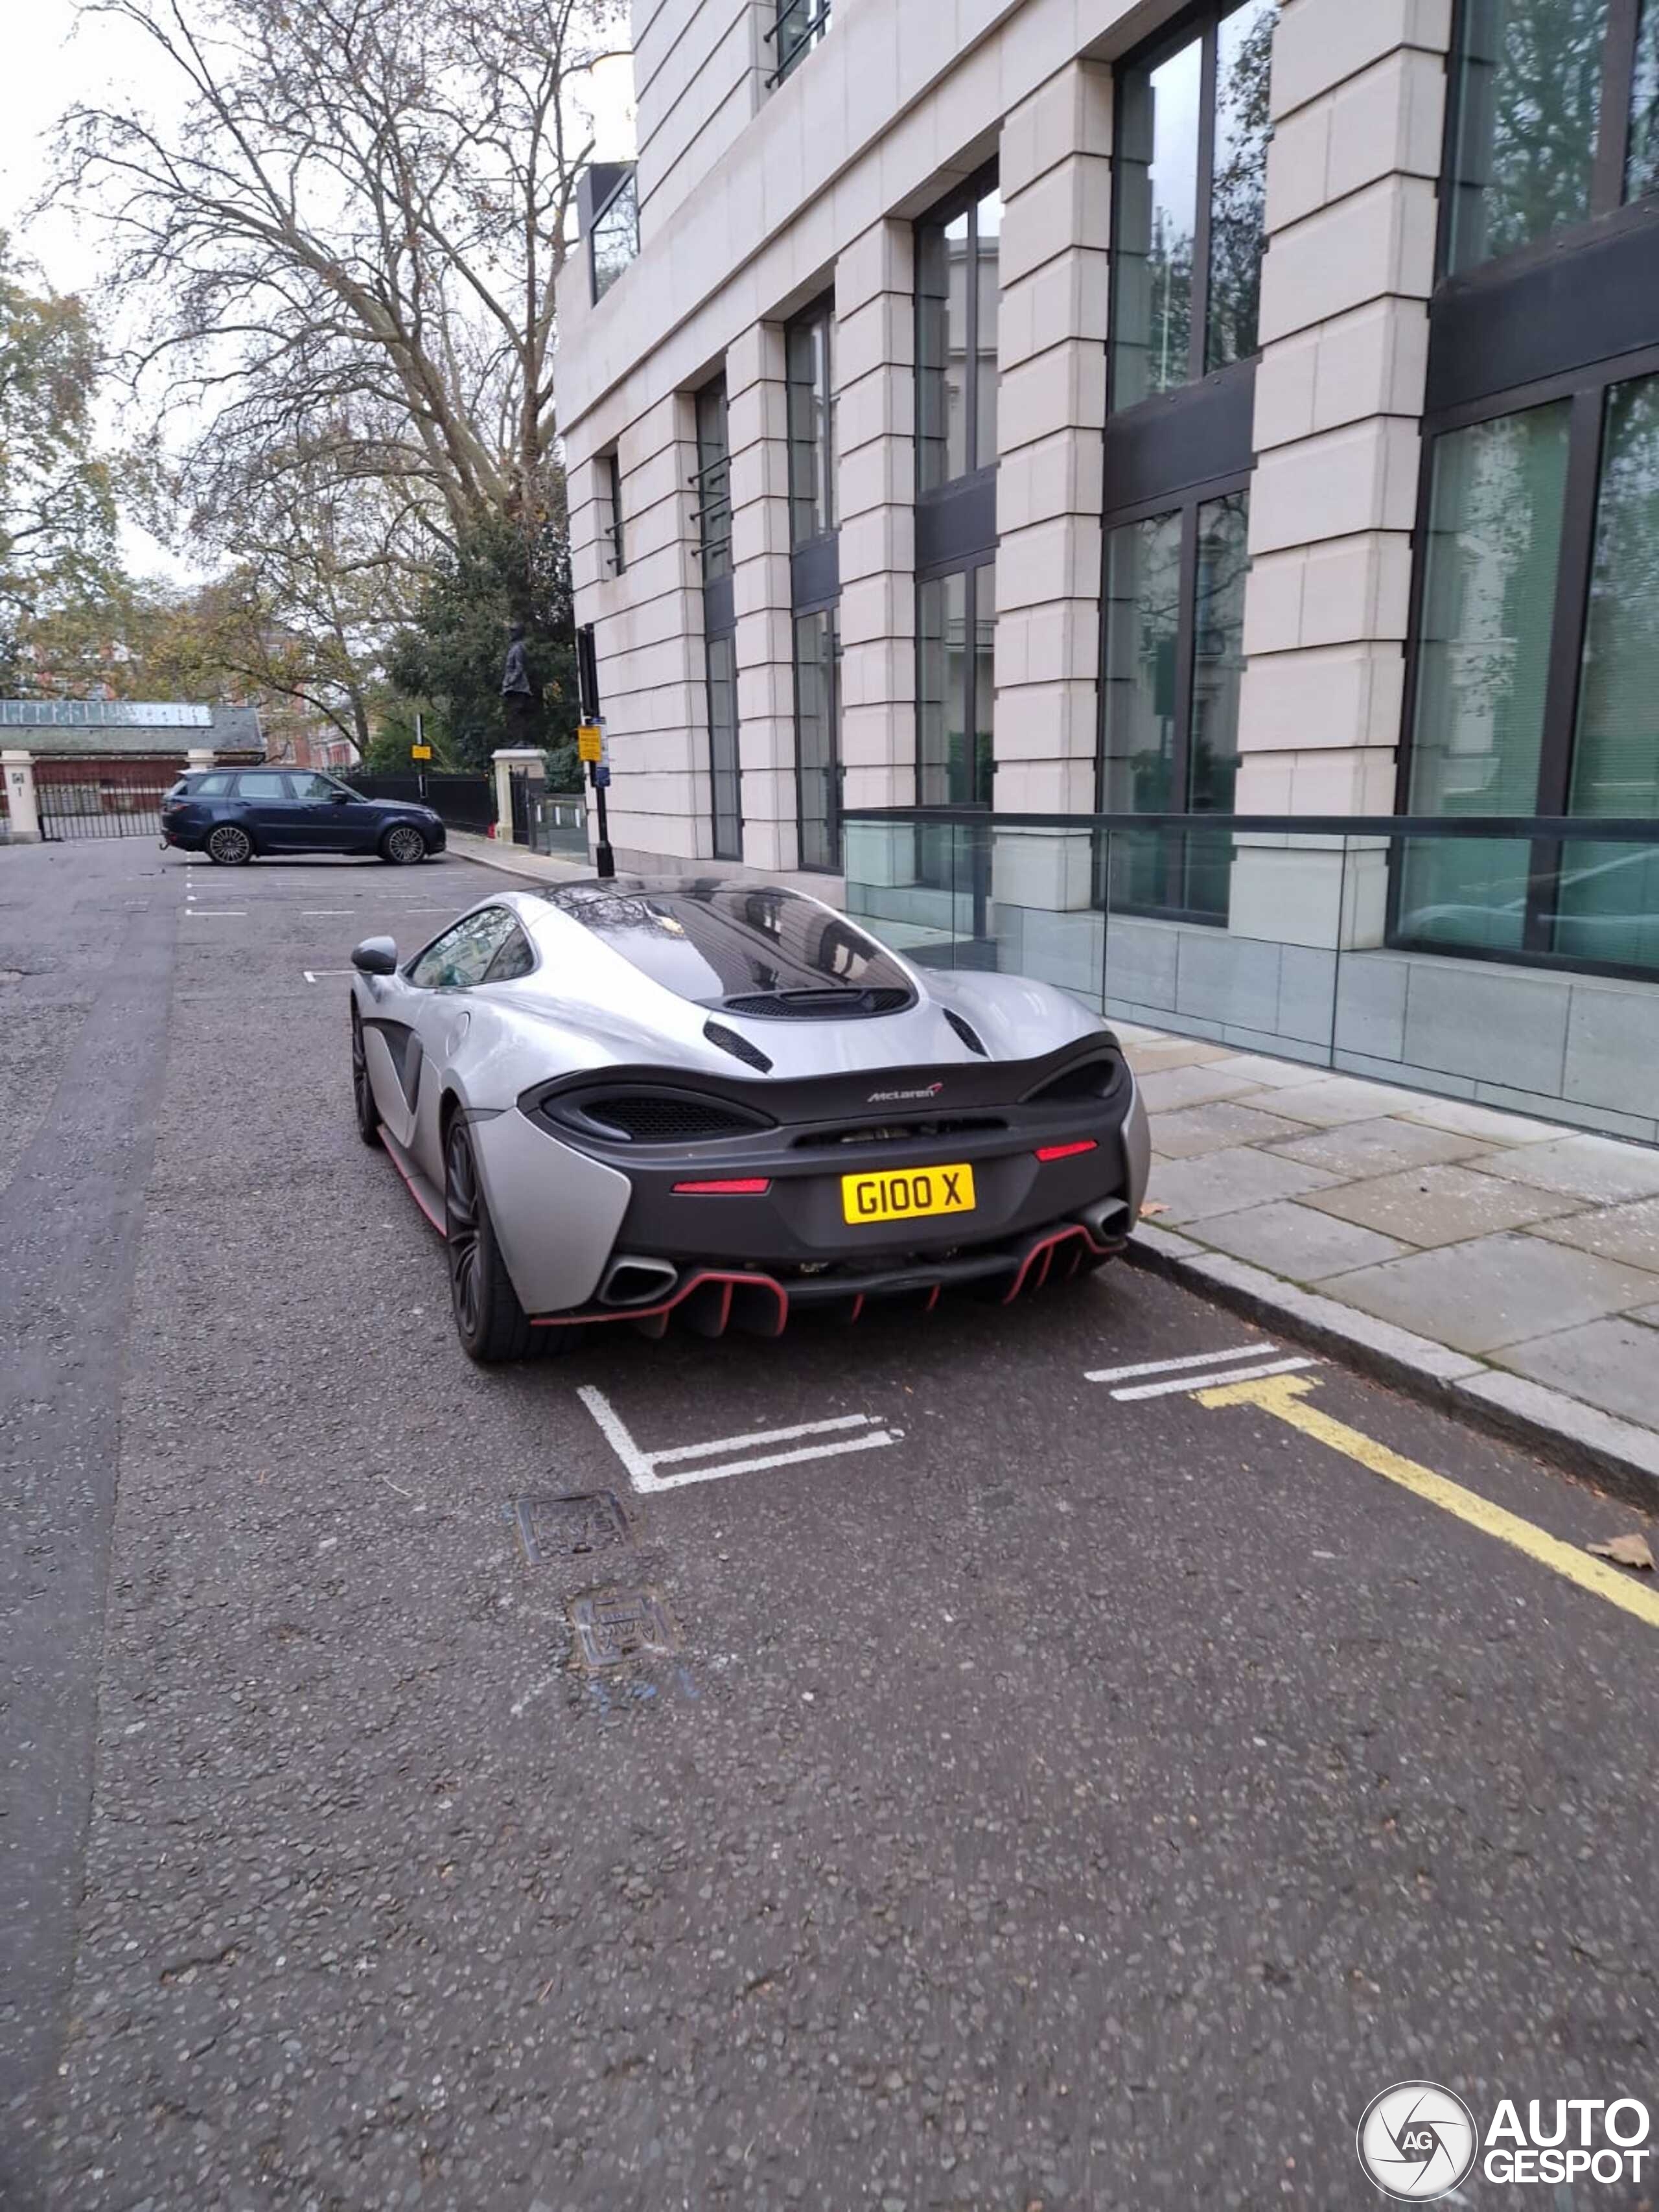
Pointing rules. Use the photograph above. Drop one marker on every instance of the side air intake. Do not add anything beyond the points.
(966, 1032)
(738, 1046)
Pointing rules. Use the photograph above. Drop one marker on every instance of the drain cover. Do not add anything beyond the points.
(623, 1623)
(570, 1528)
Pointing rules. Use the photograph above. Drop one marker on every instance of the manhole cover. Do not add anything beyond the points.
(623, 1623)
(570, 1528)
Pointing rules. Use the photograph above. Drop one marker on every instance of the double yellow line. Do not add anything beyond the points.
(1284, 1396)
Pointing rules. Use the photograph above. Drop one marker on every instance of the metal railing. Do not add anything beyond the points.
(1509, 959)
(801, 25)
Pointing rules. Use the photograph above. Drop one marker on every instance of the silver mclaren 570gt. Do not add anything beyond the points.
(629, 1101)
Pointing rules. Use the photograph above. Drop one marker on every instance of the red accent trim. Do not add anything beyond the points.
(858, 1307)
(743, 1187)
(650, 1313)
(389, 1141)
(1067, 1151)
(933, 1297)
(1044, 1248)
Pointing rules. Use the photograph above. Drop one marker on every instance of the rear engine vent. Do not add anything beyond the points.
(738, 1046)
(904, 1133)
(1084, 1078)
(966, 1032)
(641, 1117)
(830, 1005)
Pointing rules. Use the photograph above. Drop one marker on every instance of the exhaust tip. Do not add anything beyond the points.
(637, 1282)
(1110, 1219)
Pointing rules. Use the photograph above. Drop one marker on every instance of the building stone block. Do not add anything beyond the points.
(1376, 242)
(1613, 1046)
(1495, 1025)
(1320, 43)
(1362, 478)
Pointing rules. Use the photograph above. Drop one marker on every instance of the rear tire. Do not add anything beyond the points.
(490, 1323)
(402, 845)
(362, 1090)
(229, 845)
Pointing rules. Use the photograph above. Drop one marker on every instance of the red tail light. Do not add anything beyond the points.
(743, 1187)
(1067, 1151)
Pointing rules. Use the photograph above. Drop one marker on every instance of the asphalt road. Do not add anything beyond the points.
(1067, 1800)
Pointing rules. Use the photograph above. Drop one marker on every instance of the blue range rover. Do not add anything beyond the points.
(232, 815)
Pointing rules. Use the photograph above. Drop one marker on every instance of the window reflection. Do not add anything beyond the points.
(1528, 102)
(1157, 218)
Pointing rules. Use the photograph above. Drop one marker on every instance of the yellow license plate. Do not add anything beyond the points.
(907, 1194)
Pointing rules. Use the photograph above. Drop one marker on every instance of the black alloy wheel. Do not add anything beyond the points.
(362, 1090)
(490, 1323)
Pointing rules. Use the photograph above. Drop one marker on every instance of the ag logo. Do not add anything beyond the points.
(1417, 2141)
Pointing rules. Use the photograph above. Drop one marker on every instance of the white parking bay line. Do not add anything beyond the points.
(311, 973)
(642, 1464)
(1213, 1381)
(1169, 1366)
(764, 1437)
(218, 913)
(326, 913)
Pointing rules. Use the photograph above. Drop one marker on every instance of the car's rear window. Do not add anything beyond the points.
(712, 942)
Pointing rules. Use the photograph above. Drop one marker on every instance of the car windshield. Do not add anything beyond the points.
(712, 942)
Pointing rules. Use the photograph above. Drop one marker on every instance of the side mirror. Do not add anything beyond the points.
(376, 955)
(339, 798)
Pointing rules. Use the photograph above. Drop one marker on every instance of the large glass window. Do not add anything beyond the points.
(957, 288)
(1191, 174)
(712, 483)
(818, 736)
(800, 24)
(1608, 908)
(1555, 119)
(809, 352)
(956, 636)
(723, 747)
(615, 243)
(1537, 677)
(1491, 564)
(1173, 663)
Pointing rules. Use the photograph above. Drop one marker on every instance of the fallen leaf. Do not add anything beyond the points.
(1626, 1552)
(1151, 1206)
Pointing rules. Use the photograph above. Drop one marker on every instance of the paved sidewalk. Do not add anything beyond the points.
(515, 860)
(1513, 1263)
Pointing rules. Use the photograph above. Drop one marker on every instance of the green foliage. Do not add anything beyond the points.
(56, 501)
(499, 573)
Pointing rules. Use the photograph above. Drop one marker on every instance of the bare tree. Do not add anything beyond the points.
(356, 224)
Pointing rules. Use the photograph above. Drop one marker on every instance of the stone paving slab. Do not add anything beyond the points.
(1228, 1181)
(1468, 1120)
(1192, 1130)
(1439, 1204)
(1335, 1099)
(1494, 1291)
(1168, 1087)
(1294, 1241)
(1363, 1149)
(1612, 1363)
(1601, 1170)
(1629, 1233)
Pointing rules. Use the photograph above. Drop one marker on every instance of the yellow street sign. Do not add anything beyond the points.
(590, 742)
(420, 752)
